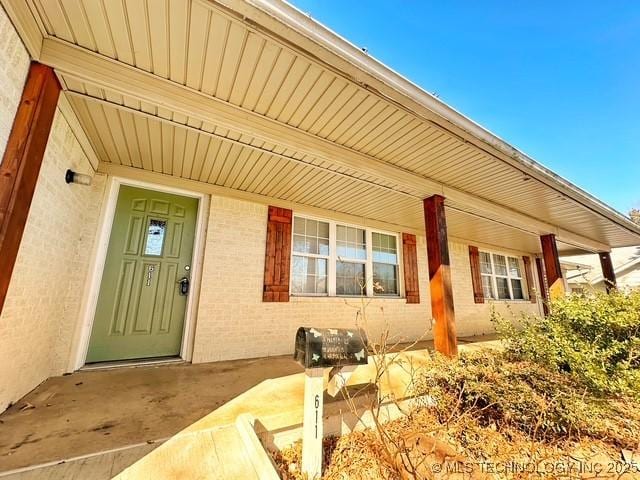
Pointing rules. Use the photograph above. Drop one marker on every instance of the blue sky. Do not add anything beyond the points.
(560, 80)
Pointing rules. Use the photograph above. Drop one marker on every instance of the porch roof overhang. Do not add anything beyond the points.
(255, 98)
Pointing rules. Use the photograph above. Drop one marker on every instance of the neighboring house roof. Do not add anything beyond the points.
(567, 265)
(634, 263)
(587, 269)
(296, 114)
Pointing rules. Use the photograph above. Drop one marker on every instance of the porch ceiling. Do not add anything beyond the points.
(242, 66)
(130, 133)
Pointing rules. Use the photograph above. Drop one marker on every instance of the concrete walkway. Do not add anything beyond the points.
(99, 422)
(278, 406)
(103, 465)
(97, 411)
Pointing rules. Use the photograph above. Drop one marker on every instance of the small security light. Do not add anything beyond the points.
(72, 177)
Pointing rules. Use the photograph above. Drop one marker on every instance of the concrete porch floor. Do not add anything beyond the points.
(100, 410)
(99, 422)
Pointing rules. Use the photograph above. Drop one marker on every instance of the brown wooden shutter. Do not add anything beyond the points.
(528, 275)
(278, 256)
(410, 262)
(476, 278)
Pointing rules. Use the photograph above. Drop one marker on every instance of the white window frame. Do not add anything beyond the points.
(333, 258)
(310, 255)
(370, 260)
(508, 276)
(365, 262)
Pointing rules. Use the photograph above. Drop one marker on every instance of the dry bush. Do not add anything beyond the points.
(527, 397)
(472, 450)
(510, 414)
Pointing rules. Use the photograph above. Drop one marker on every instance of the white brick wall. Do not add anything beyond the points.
(43, 301)
(14, 61)
(474, 318)
(233, 322)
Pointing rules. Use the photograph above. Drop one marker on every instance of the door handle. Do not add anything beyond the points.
(184, 286)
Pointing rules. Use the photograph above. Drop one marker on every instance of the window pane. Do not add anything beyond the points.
(375, 240)
(350, 278)
(310, 236)
(352, 235)
(297, 284)
(298, 225)
(514, 267)
(503, 288)
(299, 274)
(300, 265)
(385, 279)
(312, 228)
(485, 263)
(298, 243)
(311, 245)
(323, 246)
(309, 275)
(487, 287)
(500, 264)
(323, 230)
(350, 243)
(155, 237)
(516, 286)
(384, 248)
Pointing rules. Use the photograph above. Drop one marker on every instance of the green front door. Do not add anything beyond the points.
(141, 305)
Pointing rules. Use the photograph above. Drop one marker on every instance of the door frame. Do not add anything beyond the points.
(90, 295)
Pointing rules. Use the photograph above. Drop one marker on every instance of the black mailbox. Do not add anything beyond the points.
(330, 347)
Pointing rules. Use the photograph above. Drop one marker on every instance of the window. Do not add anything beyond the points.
(310, 256)
(385, 264)
(351, 251)
(501, 276)
(155, 237)
(330, 258)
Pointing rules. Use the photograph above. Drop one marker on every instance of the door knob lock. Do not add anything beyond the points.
(183, 285)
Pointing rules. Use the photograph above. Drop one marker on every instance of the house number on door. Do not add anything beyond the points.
(149, 274)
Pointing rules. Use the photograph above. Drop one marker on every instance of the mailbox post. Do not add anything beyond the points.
(312, 432)
(317, 349)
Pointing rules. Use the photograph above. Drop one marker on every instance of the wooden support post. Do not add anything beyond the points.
(21, 163)
(608, 272)
(444, 331)
(552, 266)
(312, 423)
(543, 286)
